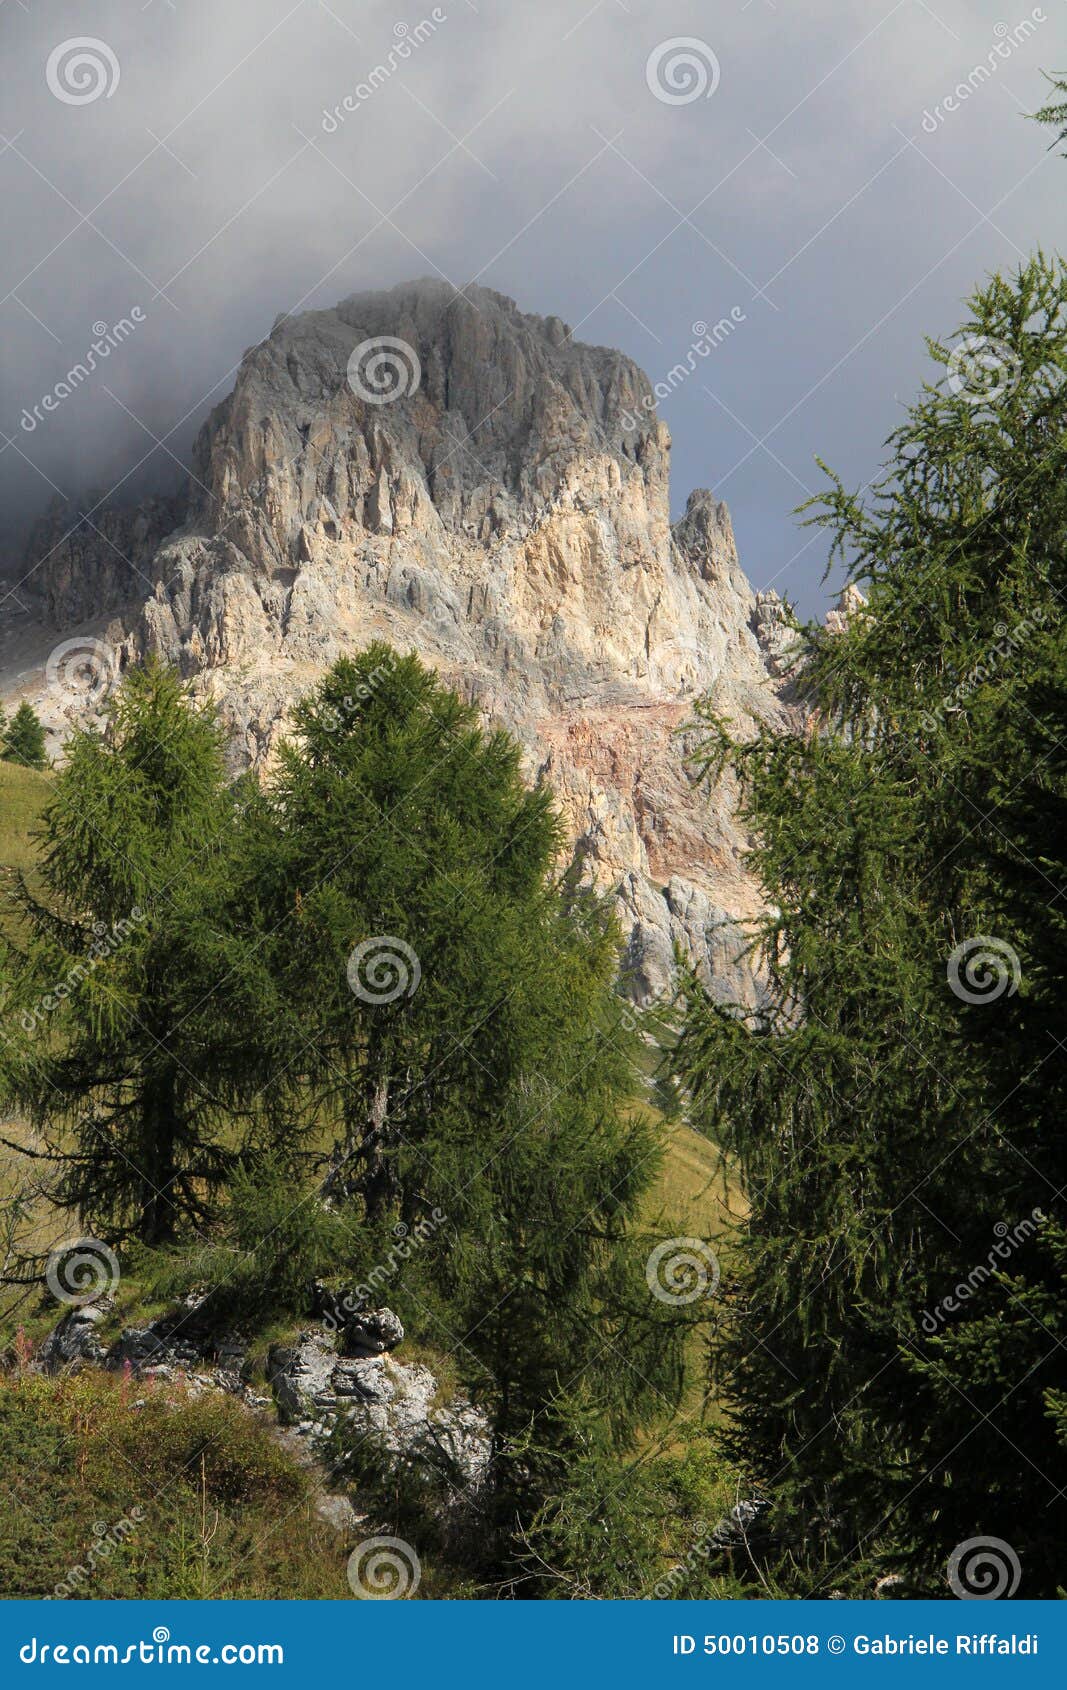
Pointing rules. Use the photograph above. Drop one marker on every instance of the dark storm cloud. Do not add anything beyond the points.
(827, 180)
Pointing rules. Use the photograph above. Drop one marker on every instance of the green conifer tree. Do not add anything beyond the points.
(896, 1105)
(24, 740)
(452, 1001)
(128, 986)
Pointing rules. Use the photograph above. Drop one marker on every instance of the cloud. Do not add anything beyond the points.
(271, 155)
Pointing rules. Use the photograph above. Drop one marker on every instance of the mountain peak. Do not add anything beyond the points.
(443, 471)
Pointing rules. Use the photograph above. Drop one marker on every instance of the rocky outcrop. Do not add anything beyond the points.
(775, 631)
(849, 604)
(182, 1344)
(75, 1341)
(336, 1403)
(93, 559)
(363, 1331)
(503, 517)
(389, 1408)
(682, 914)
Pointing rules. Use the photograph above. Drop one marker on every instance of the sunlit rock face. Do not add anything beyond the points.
(492, 506)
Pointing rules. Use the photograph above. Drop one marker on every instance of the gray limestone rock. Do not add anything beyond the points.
(389, 1406)
(502, 517)
(75, 1339)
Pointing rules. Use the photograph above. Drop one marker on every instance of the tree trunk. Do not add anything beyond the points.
(379, 1181)
(159, 1123)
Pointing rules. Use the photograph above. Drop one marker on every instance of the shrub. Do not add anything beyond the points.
(118, 1492)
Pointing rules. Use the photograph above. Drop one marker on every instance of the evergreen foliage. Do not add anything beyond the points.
(453, 1000)
(22, 739)
(896, 1105)
(265, 1031)
(1055, 112)
(133, 995)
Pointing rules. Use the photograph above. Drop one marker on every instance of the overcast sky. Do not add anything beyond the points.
(804, 174)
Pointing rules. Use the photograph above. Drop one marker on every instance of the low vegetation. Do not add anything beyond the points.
(23, 794)
(115, 1490)
(251, 1032)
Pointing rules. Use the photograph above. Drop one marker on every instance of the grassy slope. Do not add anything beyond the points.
(23, 793)
(159, 1496)
(691, 1187)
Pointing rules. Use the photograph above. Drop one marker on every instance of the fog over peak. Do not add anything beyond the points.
(808, 189)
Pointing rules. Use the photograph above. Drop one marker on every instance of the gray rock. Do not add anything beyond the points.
(301, 1375)
(740, 1528)
(850, 602)
(682, 915)
(891, 1588)
(179, 1343)
(374, 1332)
(509, 520)
(75, 1340)
(148, 1346)
(338, 1512)
(363, 1331)
(775, 632)
(383, 1403)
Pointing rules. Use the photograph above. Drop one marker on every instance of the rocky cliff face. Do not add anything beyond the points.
(493, 508)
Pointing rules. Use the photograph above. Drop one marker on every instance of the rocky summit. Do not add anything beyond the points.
(444, 472)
